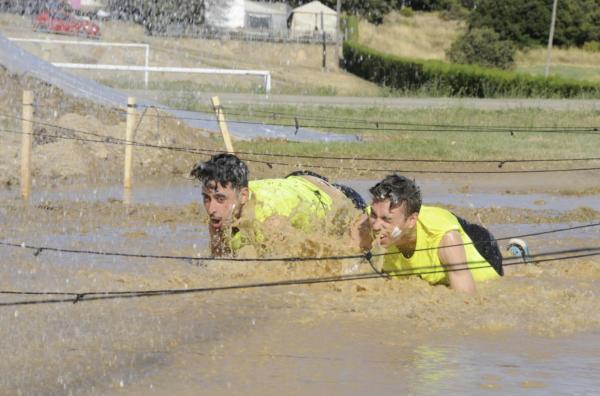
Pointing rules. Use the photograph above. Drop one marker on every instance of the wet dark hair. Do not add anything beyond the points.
(224, 169)
(398, 189)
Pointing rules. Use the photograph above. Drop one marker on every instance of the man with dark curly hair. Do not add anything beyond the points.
(301, 201)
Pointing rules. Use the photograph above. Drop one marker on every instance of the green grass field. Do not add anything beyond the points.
(436, 134)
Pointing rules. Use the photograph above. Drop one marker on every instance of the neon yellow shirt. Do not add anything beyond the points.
(294, 197)
(432, 224)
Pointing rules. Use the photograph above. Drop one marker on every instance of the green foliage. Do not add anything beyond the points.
(440, 5)
(407, 12)
(441, 78)
(592, 46)
(158, 15)
(527, 22)
(482, 47)
(349, 25)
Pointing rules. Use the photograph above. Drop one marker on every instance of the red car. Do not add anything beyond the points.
(64, 23)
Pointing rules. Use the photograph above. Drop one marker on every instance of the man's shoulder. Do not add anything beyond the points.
(436, 220)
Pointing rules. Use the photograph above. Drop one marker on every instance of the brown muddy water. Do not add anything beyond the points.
(536, 331)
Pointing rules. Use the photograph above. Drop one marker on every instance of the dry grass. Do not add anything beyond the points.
(573, 63)
(422, 36)
(565, 56)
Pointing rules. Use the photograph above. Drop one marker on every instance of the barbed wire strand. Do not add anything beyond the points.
(40, 249)
(433, 127)
(337, 158)
(410, 271)
(207, 152)
(109, 295)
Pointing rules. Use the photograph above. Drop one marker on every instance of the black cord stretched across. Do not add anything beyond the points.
(117, 141)
(108, 139)
(39, 249)
(376, 125)
(76, 297)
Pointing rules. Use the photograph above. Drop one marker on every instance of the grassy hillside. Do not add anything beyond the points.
(422, 36)
(427, 36)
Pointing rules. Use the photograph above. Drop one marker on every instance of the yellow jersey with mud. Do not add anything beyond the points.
(294, 198)
(432, 224)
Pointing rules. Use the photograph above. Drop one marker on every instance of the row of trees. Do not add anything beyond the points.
(497, 28)
(526, 22)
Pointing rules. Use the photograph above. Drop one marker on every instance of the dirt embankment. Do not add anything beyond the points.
(62, 125)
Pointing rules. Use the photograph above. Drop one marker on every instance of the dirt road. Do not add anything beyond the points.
(389, 102)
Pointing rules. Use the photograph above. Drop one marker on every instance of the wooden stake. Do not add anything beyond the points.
(131, 118)
(26, 145)
(222, 124)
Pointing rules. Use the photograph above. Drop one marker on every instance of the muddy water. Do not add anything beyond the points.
(537, 331)
(181, 192)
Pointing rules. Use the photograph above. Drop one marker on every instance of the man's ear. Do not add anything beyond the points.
(412, 220)
(244, 195)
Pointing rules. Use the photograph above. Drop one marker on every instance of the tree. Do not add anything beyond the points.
(527, 22)
(482, 47)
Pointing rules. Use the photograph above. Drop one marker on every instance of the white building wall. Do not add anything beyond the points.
(230, 15)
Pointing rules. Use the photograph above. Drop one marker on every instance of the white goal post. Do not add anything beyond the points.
(266, 75)
(146, 47)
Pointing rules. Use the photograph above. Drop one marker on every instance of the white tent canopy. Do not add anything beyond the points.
(306, 19)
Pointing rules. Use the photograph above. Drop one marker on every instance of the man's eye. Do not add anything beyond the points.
(220, 199)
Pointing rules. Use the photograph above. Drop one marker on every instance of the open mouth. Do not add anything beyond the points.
(382, 238)
(216, 223)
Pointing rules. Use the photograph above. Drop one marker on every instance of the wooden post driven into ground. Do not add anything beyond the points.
(26, 145)
(131, 118)
(222, 124)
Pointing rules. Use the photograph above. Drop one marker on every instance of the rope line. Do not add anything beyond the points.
(113, 140)
(428, 127)
(109, 295)
(118, 141)
(40, 249)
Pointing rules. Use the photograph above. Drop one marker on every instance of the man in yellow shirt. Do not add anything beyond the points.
(243, 213)
(428, 241)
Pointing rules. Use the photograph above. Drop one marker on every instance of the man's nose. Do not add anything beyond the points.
(211, 207)
(375, 224)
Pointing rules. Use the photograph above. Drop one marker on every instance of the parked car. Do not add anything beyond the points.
(62, 22)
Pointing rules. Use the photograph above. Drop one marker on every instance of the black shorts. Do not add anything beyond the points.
(485, 243)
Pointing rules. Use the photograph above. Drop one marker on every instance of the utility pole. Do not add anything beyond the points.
(338, 32)
(550, 39)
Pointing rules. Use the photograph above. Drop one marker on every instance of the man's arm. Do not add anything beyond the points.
(453, 258)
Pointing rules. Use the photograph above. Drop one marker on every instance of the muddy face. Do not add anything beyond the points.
(222, 203)
(390, 224)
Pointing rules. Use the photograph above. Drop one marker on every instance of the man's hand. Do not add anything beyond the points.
(454, 260)
(360, 233)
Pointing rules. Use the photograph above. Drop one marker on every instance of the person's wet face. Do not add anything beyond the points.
(390, 224)
(222, 203)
